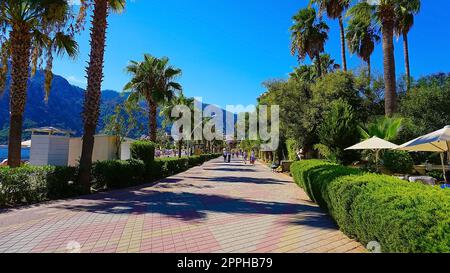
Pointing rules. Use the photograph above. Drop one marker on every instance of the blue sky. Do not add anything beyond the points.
(227, 48)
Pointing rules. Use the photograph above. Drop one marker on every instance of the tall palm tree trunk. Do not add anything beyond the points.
(21, 44)
(389, 67)
(369, 71)
(93, 92)
(343, 48)
(407, 66)
(152, 119)
(319, 65)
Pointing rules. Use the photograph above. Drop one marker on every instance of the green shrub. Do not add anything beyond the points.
(401, 216)
(62, 183)
(143, 150)
(116, 174)
(29, 184)
(398, 162)
(292, 147)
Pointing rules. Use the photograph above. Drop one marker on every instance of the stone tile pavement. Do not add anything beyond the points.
(217, 207)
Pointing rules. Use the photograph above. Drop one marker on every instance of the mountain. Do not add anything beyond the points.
(63, 109)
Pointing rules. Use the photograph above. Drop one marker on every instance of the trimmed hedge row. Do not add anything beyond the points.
(118, 174)
(28, 184)
(403, 217)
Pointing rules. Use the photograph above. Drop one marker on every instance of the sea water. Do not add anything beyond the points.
(4, 153)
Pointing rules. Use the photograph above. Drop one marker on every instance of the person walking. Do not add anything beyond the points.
(224, 155)
(252, 158)
(245, 157)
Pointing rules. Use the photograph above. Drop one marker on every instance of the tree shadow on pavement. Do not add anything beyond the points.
(180, 205)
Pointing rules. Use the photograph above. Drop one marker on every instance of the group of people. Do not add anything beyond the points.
(246, 157)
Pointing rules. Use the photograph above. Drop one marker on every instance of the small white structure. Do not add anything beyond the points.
(50, 146)
(104, 149)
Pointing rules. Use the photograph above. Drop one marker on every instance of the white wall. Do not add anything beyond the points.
(49, 150)
(104, 149)
(125, 153)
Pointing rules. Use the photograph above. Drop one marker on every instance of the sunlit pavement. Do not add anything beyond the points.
(217, 207)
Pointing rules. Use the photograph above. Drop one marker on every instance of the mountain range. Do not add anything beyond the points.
(63, 109)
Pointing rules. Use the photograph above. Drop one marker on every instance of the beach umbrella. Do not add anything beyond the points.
(375, 144)
(438, 142)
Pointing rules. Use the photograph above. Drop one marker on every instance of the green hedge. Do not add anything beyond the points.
(143, 150)
(403, 217)
(118, 174)
(28, 185)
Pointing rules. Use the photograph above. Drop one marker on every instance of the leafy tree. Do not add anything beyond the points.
(427, 105)
(308, 35)
(122, 123)
(309, 73)
(91, 111)
(30, 30)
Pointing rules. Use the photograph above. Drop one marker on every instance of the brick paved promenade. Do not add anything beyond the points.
(216, 207)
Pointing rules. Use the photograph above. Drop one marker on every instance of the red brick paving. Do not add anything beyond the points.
(216, 207)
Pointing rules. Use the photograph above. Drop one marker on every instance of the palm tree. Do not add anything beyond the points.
(30, 30)
(335, 10)
(362, 35)
(405, 20)
(91, 109)
(153, 81)
(166, 112)
(308, 35)
(384, 12)
(387, 128)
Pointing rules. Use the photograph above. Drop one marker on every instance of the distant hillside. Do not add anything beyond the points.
(63, 109)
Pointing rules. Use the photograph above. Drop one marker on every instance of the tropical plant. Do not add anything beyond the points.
(404, 22)
(91, 111)
(309, 74)
(152, 81)
(30, 30)
(384, 13)
(166, 112)
(362, 35)
(384, 127)
(335, 10)
(122, 122)
(308, 36)
(339, 130)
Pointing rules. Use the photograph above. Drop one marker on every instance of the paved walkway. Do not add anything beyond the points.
(216, 207)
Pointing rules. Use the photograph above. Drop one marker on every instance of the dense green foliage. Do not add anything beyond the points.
(427, 105)
(402, 216)
(143, 150)
(399, 162)
(339, 130)
(28, 185)
(116, 174)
